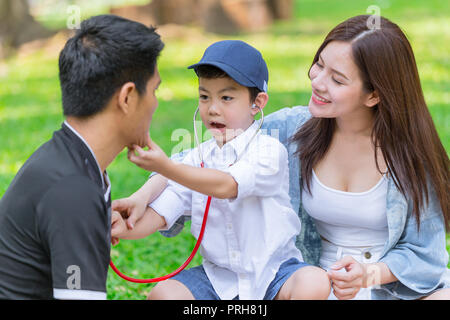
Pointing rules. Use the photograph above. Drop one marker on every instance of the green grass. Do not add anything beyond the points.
(30, 104)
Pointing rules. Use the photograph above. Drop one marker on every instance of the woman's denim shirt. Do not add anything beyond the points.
(417, 259)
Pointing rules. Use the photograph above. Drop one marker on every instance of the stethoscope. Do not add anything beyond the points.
(205, 215)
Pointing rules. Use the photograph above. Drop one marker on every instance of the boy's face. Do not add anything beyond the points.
(225, 108)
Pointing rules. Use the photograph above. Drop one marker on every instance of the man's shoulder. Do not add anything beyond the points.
(73, 191)
(51, 166)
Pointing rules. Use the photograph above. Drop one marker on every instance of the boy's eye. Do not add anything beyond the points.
(227, 98)
(203, 97)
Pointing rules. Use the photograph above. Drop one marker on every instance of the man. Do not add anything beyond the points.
(55, 215)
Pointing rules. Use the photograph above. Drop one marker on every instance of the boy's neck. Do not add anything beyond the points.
(240, 131)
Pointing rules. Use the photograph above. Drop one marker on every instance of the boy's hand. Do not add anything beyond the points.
(132, 208)
(118, 227)
(153, 159)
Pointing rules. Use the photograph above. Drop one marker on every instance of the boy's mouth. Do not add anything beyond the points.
(216, 125)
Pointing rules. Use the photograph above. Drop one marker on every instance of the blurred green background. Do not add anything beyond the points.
(30, 100)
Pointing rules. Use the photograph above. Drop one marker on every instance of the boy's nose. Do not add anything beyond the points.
(213, 109)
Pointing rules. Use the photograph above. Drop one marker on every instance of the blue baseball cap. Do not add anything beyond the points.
(243, 63)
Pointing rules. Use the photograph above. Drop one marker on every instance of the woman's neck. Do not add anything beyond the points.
(355, 125)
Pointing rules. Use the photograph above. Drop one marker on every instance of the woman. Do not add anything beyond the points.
(368, 173)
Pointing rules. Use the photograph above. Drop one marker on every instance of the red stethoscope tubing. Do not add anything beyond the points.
(184, 265)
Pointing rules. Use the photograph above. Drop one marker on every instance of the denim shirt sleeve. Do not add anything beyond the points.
(418, 259)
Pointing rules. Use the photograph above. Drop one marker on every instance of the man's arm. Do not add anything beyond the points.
(73, 225)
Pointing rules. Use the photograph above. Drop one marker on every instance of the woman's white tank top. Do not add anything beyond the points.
(354, 219)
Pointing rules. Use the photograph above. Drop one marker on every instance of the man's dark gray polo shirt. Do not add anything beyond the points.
(55, 224)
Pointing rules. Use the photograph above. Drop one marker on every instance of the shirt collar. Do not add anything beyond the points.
(238, 144)
(93, 155)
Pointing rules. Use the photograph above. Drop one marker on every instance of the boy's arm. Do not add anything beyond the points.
(210, 182)
(151, 189)
(135, 205)
(150, 222)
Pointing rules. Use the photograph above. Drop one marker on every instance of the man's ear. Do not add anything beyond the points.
(372, 99)
(127, 97)
(261, 100)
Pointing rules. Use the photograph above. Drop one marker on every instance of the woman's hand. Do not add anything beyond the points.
(347, 284)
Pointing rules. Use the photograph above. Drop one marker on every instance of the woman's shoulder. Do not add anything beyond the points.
(296, 113)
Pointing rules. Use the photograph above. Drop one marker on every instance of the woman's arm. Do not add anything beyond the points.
(417, 260)
(358, 275)
(377, 274)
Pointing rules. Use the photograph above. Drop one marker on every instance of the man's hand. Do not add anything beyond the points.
(118, 227)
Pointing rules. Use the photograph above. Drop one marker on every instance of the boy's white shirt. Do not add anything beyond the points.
(247, 238)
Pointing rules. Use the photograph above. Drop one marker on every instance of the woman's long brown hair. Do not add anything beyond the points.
(403, 128)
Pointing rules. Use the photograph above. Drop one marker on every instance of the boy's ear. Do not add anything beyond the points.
(127, 97)
(261, 100)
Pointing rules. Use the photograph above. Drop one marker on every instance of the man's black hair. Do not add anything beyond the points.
(212, 72)
(105, 53)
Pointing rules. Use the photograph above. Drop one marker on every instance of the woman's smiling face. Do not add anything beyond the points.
(337, 87)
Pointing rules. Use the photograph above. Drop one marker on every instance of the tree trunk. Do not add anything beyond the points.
(18, 26)
(221, 16)
(281, 9)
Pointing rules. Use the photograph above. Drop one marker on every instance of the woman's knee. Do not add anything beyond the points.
(170, 290)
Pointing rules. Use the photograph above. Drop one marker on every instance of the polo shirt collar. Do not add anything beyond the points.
(107, 188)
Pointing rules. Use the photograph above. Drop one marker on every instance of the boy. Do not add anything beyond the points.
(249, 247)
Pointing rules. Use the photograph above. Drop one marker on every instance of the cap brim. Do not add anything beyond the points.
(233, 73)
